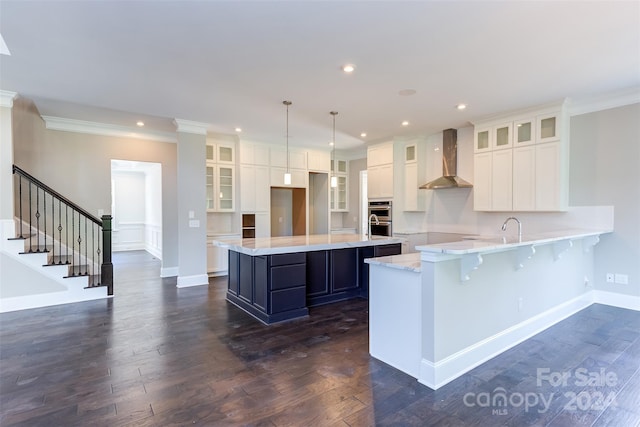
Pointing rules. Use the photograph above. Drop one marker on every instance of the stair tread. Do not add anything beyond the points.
(35, 251)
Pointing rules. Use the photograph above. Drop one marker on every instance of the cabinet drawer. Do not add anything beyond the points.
(286, 259)
(288, 299)
(386, 250)
(288, 276)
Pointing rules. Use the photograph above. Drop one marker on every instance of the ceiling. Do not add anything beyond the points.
(231, 63)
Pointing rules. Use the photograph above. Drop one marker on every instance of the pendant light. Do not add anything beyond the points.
(287, 175)
(334, 178)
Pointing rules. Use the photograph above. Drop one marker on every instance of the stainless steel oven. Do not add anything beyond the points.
(383, 212)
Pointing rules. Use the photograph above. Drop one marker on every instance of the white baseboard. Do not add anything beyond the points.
(168, 271)
(195, 280)
(629, 302)
(435, 375)
(52, 298)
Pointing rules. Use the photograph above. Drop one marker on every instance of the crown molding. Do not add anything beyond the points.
(94, 128)
(188, 126)
(604, 102)
(6, 98)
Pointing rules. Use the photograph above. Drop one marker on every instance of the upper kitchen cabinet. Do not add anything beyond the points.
(297, 158)
(493, 137)
(340, 193)
(220, 176)
(533, 175)
(380, 171)
(412, 163)
(318, 161)
(254, 154)
(220, 152)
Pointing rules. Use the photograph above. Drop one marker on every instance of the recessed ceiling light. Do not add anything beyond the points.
(405, 123)
(348, 68)
(139, 123)
(407, 92)
(238, 130)
(461, 106)
(363, 135)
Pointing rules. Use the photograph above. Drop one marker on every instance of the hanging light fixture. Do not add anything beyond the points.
(287, 174)
(334, 178)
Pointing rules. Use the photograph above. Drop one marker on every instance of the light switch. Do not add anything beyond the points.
(192, 214)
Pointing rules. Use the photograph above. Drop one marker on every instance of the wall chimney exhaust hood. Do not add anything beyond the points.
(449, 179)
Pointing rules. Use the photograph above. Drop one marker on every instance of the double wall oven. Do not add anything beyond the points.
(382, 210)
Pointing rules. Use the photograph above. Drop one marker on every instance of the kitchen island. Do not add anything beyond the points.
(279, 278)
(439, 313)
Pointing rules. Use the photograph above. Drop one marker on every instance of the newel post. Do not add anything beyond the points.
(107, 267)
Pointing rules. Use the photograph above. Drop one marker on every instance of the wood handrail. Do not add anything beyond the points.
(48, 189)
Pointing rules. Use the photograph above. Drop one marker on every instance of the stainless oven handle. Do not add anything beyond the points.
(382, 223)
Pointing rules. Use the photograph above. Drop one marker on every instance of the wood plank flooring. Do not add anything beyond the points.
(155, 355)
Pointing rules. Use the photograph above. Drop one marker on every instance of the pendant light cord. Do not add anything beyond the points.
(287, 103)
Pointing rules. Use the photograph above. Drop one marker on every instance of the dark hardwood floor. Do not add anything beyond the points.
(155, 355)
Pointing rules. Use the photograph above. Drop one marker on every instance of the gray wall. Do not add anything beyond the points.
(79, 166)
(605, 170)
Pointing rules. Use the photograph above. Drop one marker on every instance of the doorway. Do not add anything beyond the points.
(318, 203)
(136, 206)
(288, 212)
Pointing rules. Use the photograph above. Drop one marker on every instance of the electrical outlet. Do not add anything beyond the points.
(622, 279)
(610, 278)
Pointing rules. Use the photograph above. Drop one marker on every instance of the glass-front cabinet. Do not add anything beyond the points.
(220, 176)
(225, 175)
(340, 193)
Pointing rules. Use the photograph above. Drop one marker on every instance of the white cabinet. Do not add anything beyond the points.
(339, 195)
(254, 154)
(482, 178)
(380, 182)
(218, 258)
(220, 188)
(318, 161)
(254, 188)
(380, 171)
(220, 184)
(380, 154)
(521, 161)
(298, 177)
(220, 152)
(297, 158)
(413, 159)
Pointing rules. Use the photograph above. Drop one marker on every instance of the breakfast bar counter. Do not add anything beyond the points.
(279, 278)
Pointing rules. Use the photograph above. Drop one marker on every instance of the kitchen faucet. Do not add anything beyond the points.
(504, 226)
(372, 217)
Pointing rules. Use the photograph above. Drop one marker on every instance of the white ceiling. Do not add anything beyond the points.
(232, 63)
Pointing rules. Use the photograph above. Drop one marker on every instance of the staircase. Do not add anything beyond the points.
(61, 245)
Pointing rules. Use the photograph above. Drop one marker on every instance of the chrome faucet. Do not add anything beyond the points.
(372, 217)
(504, 226)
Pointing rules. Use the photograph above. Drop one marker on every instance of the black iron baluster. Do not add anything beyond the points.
(93, 248)
(37, 219)
(20, 195)
(86, 245)
(60, 230)
(79, 246)
(30, 216)
(73, 243)
(44, 206)
(66, 231)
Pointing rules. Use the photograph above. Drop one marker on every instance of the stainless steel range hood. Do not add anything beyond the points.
(449, 179)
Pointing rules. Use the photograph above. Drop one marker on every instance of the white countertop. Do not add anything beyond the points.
(409, 262)
(288, 244)
(479, 244)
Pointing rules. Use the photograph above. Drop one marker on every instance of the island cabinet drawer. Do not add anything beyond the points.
(386, 250)
(288, 259)
(288, 299)
(288, 276)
